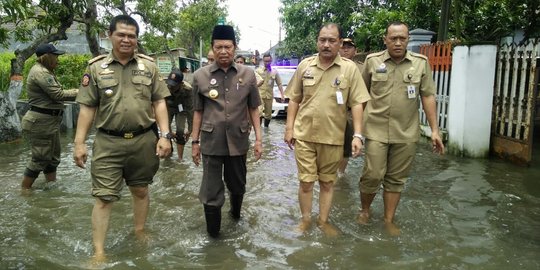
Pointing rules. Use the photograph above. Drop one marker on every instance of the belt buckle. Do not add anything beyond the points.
(128, 135)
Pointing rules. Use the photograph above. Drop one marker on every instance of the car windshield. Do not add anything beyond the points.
(285, 74)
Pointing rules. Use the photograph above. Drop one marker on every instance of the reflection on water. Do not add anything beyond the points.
(454, 214)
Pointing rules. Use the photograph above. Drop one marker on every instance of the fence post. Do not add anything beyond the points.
(470, 106)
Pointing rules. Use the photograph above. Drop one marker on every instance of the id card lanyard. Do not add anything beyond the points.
(411, 89)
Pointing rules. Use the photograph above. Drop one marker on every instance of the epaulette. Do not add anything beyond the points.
(145, 57)
(374, 54)
(418, 55)
(96, 58)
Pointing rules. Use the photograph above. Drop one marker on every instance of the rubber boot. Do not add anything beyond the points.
(236, 206)
(180, 148)
(266, 122)
(213, 220)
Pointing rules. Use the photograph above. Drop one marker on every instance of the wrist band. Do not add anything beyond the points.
(195, 141)
(359, 136)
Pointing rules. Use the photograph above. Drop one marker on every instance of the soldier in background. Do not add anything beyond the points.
(348, 50)
(180, 108)
(41, 123)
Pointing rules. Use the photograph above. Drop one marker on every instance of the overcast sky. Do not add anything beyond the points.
(258, 21)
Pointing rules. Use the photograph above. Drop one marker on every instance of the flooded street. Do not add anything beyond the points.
(455, 213)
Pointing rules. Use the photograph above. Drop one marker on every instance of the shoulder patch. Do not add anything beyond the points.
(145, 57)
(96, 58)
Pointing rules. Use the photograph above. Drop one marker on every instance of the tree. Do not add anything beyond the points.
(45, 21)
(303, 18)
(366, 20)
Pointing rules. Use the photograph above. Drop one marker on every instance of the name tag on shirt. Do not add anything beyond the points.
(339, 97)
(180, 108)
(411, 91)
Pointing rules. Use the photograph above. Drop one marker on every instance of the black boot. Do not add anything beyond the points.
(213, 220)
(236, 206)
(261, 121)
(266, 122)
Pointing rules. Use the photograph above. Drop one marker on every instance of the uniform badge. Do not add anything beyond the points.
(213, 81)
(141, 66)
(108, 92)
(104, 65)
(381, 68)
(213, 93)
(106, 71)
(85, 80)
(308, 74)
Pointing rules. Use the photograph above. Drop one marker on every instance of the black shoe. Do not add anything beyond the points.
(236, 206)
(266, 122)
(213, 220)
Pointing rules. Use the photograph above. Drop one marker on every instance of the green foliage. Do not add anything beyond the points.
(71, 69)
(470, 20)
(5, 67)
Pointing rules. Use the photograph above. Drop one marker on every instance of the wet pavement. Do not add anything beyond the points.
(456, 213)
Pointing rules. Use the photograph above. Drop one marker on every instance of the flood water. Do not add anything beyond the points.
(455, 213)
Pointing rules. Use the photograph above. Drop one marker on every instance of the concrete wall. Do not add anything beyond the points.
(470, 105)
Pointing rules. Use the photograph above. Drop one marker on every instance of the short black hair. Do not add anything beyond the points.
(125, 19)
(240, 56)
(394, 23)
(331, 24)
(267, 55)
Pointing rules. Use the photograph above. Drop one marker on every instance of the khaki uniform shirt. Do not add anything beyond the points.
(266, 90)
(123, 94)
(320, 118)
(44, 90)
(224, 99)
(360, 66)
(392, 116)
(183, 96)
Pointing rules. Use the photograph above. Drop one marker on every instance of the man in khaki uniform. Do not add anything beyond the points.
(348, 50)
(224, 96)
(124, 93)
(180, 108)
(320, 91)
(395, 79)
(266, 88)
(41, 123)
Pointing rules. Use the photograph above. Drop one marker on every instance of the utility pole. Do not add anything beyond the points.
(442, 35)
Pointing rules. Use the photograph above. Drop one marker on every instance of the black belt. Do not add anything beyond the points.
(127, 135)
(53, 112)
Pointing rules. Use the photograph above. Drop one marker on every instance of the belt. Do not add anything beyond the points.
(53, 112)
(129, 134)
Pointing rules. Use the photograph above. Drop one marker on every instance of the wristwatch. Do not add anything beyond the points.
(359, 136)
(195, 141)
(167, 135)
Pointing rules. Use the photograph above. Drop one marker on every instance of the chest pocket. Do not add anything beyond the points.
(412, 79)
(108, 88)
(309, 86)
(143, 86)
